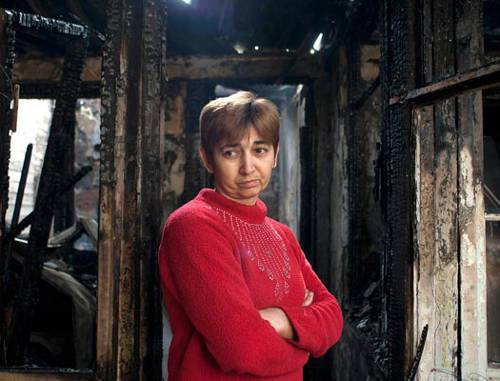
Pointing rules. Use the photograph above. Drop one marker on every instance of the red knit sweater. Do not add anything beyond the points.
(220, 262)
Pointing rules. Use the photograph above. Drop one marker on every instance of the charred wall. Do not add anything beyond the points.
(357, 228)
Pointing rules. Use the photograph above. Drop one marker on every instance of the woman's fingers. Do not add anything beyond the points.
(308, 298)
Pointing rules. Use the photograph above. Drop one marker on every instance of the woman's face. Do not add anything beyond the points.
(242, 169)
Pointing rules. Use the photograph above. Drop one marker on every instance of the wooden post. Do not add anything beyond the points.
(7, 38)
(436, 279)
(471, 227)
(397, 75)
(129, 317)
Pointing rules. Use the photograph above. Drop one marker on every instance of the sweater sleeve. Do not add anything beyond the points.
(318, 326)
(209, 284)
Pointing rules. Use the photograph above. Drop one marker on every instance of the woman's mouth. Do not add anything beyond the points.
(249, 184)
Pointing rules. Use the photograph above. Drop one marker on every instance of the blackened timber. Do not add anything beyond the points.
(15, 215)
(22, 185)
(64, 209)
(149, 219)
(418, 355)
(44, 24)
(355, 176)
(7, 42)
(51, 179)
(255, 67)
(106, 347)
(128, 320)
(481, 78)
(50, 70)
(34, 374)
(396, 77)
(26, 221)
(265, 67)
(40, 90)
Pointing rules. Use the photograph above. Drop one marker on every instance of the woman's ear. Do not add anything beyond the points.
(276, 156)
(205, 161)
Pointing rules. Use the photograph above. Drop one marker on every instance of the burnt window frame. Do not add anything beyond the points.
(479, 77)
(18, 21)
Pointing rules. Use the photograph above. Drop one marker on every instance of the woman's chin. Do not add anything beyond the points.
(249, 194)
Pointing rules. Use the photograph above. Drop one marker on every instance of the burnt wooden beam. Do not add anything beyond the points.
(50, 70)
(480, 78)
(265, 67)
(41, 90)
(6, 252)
(129, 317)
(44, 24)
(16, 374)
(396, 76)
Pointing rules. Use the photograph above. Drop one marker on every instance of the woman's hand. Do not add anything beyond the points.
(278, 319)
(308, 299)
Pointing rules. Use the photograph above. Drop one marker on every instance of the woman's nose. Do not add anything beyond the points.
(247, 165)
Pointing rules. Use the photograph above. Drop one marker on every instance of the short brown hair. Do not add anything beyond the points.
(229, 118)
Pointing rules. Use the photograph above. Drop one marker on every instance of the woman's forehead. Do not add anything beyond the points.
(250, 137)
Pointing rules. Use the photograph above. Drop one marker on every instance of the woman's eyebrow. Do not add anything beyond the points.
(230, 145)
(261, 142)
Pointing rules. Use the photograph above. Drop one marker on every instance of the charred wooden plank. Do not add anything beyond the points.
(112, 88)
(22, 185)
(243, 67)
(16, 374)
(149, 163)
(396, 77)
(7, 42)
(472, 330)
(423, 121)
(129, 334)
(15, 216)
(50, 70)
(445, 292)
(418, 356)
(262, 67)
(44, 24)
(480, 78)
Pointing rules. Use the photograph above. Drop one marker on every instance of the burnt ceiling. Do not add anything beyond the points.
(213, 27)
(208, 26)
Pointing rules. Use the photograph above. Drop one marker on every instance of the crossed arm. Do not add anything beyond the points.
(317, 324)
(278, 319)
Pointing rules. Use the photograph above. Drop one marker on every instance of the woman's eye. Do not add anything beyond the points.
(261, 151)
(229, 154)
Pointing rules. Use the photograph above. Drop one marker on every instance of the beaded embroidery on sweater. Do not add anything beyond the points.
(265, 247)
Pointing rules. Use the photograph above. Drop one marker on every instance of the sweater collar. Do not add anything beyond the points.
(254, 214)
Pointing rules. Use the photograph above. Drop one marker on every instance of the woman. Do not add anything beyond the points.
(242, 300)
